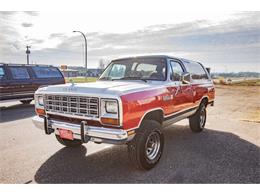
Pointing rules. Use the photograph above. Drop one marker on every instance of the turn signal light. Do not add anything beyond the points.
(40, 111)
(131, 132)
(110, 121)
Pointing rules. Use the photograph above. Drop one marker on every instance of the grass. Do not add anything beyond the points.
(80, 79)
(253, 82)
(247, 82)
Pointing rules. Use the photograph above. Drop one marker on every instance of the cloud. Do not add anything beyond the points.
(35, 41)
(26, 25)
(57, 35)
(32, 13)
(7, 13)
(234, 42)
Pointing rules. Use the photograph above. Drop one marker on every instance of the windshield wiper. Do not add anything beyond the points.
(131, 78)
(105, 78)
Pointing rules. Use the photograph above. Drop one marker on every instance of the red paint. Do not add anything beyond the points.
(135, 105)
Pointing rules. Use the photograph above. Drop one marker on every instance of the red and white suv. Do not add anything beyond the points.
(130, 104)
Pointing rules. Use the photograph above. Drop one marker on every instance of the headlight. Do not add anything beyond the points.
(111, 107)
(109, 112)
(40, 101)
(39, 105)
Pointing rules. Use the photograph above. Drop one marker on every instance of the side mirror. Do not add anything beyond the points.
(185, 78)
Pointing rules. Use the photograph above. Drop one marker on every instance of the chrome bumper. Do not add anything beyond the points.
(91, 133)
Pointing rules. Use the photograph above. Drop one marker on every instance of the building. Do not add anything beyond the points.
(69, 72)
(75, 71)
(94, 72)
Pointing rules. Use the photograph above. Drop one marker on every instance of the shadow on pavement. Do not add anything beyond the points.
(16, 112)
(208, 157)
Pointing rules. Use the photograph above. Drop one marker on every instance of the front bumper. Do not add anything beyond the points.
(83, 132)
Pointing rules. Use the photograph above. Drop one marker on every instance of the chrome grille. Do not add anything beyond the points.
(72, 105)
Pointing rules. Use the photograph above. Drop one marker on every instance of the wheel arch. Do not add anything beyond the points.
(204, 99)
(156, 114)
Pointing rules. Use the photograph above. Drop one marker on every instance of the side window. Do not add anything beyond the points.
(46, 72)
(176, 72)
(2, 72)
(19, 73)
(196, 70)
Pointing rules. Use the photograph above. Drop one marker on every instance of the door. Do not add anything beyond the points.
(182, 93)
(199, 80)
(20, 83)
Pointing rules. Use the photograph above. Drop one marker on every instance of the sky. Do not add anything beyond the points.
(224, 41)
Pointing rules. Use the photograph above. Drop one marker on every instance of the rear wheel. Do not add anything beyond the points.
(25, 101)
(146, 148)
(69, 143)
(198, 120)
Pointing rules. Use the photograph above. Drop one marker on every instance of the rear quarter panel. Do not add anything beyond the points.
(203, 89)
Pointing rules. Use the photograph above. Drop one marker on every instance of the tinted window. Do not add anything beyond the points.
(196, 70)
(19, 73)
(176, 71)
(46, 72)
(2, 73)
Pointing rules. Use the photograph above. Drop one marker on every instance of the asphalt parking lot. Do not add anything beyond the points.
(226, 152)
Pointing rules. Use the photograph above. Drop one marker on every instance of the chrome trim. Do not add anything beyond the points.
(107, 96)
(180, 111)
(97, 133)
(38, 122)
(105, 114)
(83, 106)
(73, 116)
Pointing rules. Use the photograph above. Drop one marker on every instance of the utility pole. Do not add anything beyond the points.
(28, 53)
(86, 55)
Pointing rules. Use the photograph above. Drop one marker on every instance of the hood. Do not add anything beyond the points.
(100, 88)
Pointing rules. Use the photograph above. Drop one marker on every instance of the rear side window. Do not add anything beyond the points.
(196, 71)
(19, 72)
(46, 72)
(2, 72)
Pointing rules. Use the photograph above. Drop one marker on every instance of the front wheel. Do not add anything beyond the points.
(198, 120)
(145, 150)
(69, 143)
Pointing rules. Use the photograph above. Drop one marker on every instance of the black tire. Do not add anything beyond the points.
(69, 143)
(198, 120)
(138, 147)
(25, 101)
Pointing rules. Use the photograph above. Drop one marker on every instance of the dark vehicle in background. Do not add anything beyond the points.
(19, 82)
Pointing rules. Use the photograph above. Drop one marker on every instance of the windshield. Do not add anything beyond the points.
(136, 69)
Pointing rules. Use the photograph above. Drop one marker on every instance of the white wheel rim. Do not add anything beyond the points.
(202, 117)
(152, 146)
